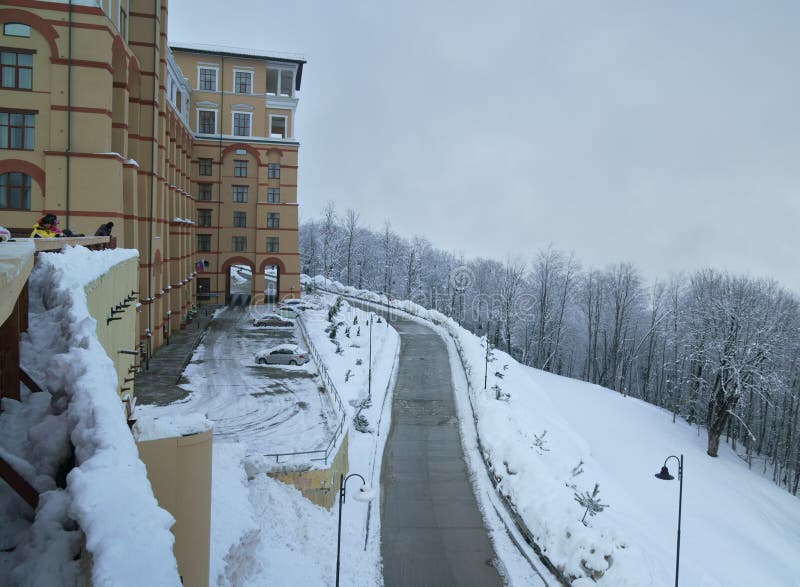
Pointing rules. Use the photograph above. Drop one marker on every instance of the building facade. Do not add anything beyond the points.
(190, 151)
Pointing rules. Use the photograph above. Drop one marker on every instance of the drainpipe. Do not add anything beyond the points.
(69, 111)
(219, 168)
(153, 149)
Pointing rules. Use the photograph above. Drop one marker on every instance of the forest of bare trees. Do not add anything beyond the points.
(718, 350)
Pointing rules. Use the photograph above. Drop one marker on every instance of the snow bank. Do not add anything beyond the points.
(150, 427)
(108, 493)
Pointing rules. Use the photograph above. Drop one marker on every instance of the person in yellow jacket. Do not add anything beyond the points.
(47, 227)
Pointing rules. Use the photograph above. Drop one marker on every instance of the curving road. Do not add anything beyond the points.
(432, 532)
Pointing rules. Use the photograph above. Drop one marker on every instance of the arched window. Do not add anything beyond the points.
(15, 191)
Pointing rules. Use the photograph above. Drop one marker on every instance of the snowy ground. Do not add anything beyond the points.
(553, 437)
(263, 531)
(271, 409)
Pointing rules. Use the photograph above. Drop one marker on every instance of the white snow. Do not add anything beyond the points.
(738, 528)
(107, 492)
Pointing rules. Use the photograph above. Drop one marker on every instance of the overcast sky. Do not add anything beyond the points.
(666, 134)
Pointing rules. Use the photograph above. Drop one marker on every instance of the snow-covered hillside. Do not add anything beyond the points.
(550, 438)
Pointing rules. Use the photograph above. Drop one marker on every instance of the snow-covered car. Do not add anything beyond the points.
(296, 305)
(273, 320)
(283, 354)
(287, 312)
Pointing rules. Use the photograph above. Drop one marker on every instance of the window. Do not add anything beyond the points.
(274, 195)
(279, 81)
(205, 166)
(243, 82)
(203, 217)
(273, 220)
(204, 191)
(17, 70)
(240, 167)
(207, 121)
(239, 243)
(241, 124)
(239, 219)
(240, 193)
(203, 285)
(274, 171)
(15, 191)
(207, 79)
(178, 101)
(277, 127)
(272, 244)
(16, 130)
(203, 242)
(16, 29)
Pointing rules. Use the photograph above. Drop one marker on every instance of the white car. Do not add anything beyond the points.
(283, 354)
(287, 312)
(273, 320)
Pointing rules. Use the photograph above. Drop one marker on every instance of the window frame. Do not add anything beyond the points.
(273, 171)
(285, 126)
(26, 34)
(250, 74)
(249, 123)
(204, 217)
(271, 193)
(237, 191)
(17, 67)
(238, 164)
(206, 240)
(273, 240)
(8, 129)
(273, 219)
(239, 219)
(215, 112)
(239, 244)
(279, 86)
(201, 166)
(213, 68)
(24, 189)
(201, 187)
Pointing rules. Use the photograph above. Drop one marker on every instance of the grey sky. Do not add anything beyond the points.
(662, 133)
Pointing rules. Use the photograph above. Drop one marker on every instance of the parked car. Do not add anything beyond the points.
(296, 305)
(287, 312)
(283, 354)
(273, 320)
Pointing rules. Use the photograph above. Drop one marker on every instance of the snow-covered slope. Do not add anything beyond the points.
(551, 438)
(738, 528)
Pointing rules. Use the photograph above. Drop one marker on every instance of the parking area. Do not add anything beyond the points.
(271, 409)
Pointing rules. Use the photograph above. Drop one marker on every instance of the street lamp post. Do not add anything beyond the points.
(664, 475)
(369, 373)
(364, 494)
(486, 366)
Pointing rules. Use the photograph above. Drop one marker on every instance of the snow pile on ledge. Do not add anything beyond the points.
(170, 425)
(108, 493)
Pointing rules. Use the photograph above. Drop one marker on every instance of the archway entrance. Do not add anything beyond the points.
(239, 285)
(272, 283)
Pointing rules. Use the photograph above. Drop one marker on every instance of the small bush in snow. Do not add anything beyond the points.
(334, 309)
(539, 442)
(359, 361)
(347, 332)
(591, 502)
(355, 320)
(339, 349)
(348, 375)
(499, 375)
(499, 394)
(358, 332)
(576, 470)
(332, 331)
(360, 423)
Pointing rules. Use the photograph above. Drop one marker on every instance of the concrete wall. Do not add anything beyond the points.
(320, 486)
(103, 294)
(179, 469)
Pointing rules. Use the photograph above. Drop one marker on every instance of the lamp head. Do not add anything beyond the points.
(364, 494)
(664, 474)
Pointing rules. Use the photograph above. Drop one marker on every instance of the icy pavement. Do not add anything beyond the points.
(270, 409)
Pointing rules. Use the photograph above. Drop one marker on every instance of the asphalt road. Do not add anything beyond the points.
(432, 532)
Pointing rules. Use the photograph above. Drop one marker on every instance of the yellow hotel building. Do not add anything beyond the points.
(189, 150)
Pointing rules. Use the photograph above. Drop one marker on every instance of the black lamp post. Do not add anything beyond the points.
(486, 366)
(369, 374)
(664, 474)
(364, 494)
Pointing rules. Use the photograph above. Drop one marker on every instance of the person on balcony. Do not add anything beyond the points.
(47, 227)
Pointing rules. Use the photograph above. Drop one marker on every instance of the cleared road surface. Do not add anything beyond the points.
(432, 532)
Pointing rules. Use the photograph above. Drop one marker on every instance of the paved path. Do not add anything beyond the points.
(432, 531)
